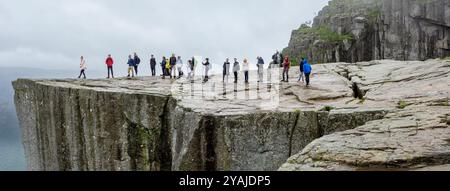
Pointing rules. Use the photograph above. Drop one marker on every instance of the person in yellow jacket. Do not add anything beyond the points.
(168, 67)
(163, 67)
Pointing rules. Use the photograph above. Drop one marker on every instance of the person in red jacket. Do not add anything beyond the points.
(109, 63)
(286, 67)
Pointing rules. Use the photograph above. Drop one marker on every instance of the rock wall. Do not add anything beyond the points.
(364, 30)
(76, 129)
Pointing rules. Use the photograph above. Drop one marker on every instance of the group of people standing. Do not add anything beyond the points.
(133, 65)
(173, 67)
(170, 67)
(305, 71)
(245, 67)
(284, 62)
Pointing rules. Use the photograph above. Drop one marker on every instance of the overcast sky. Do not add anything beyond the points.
(55, 33)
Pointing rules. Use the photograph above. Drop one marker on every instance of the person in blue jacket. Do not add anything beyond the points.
(131, 66)
(302, 71)
(307, 69)
(260, 68)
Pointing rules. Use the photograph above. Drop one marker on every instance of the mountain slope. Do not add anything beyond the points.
(364, 30)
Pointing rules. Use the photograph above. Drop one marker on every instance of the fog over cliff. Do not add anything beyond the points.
(53, 34)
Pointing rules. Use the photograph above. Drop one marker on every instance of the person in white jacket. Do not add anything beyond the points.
(180, 67)
(83, 67)
(246, 68)
(191, 68)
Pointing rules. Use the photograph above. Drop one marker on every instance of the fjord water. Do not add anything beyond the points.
(12, 156)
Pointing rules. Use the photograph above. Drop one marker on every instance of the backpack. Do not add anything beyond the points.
(137, 61)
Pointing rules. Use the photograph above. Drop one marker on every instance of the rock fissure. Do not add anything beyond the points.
(210, 140)
(165, 157)
(292, 132)
(355, 86)
(357, 92)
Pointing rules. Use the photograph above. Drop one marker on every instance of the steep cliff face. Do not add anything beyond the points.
(364, 30)
(66, 128)
(154, 124)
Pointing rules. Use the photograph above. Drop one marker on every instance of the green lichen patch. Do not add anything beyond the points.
(402, 104)
(327, 108)
(142, 149)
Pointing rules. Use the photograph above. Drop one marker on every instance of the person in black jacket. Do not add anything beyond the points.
(274, 58)
(153, 65)
(236, 68)
(260, 69)
(207, 67)
(163, 67)
(226, 70)
(278, 59)
(281, 59)
(173, 63)
(137, 61)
